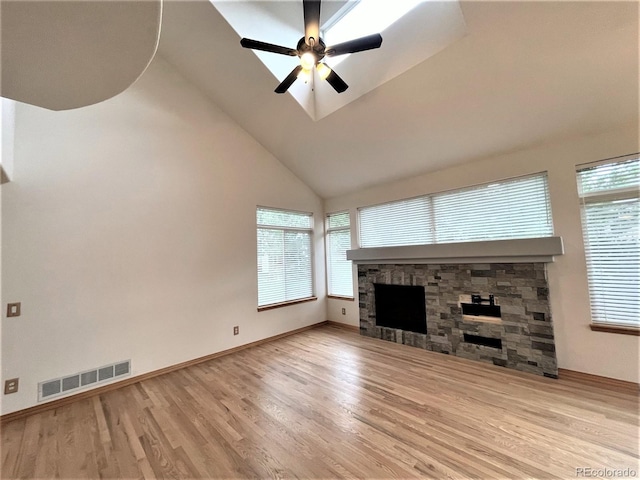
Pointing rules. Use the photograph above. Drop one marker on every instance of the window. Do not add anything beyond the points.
(508, 209)
(339, 270)
(284, 256)
(610, 222)
(360, 18)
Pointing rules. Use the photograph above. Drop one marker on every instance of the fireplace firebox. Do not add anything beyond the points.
(401, 306)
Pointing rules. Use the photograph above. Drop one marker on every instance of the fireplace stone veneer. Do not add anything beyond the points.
(521, 290)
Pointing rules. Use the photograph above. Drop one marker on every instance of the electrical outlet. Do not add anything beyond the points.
(13, 309)
(344, 311)
(11, 386)
(236, 330)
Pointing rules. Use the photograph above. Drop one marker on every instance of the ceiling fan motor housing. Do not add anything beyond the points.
(318, 49)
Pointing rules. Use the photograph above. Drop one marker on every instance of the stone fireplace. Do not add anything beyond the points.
(520, 337)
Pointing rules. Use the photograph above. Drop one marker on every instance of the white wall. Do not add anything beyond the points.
(7, 127)
(578, 348)
(129, 232)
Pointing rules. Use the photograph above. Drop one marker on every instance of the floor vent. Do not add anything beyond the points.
(66, 384)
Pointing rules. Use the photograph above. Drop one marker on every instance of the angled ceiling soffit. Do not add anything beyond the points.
(426, 30)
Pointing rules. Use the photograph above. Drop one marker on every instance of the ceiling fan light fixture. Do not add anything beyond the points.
(307, 60)
(311, 50)
(323, 70)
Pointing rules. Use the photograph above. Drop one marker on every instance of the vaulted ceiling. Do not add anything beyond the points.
(526, 73)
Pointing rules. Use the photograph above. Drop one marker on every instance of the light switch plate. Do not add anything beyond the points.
(11, 386)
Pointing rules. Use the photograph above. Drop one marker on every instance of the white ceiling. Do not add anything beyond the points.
(68, 54)
(527, 73)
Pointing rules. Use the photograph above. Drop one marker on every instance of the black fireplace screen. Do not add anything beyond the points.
(401, 306)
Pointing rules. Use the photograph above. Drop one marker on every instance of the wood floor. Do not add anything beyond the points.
(327, 403)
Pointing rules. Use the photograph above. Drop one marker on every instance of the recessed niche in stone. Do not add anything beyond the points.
(401, 306)
(477, 310)
(480, 340)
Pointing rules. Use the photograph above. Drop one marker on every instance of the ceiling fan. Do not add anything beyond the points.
(311, 50)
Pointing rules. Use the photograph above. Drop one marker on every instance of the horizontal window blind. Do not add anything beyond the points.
(339, 269)
(338, 220)
(283, 219)
(406, 222)
(612, 240)
(508, 209)
(284, 256)
(609, 176)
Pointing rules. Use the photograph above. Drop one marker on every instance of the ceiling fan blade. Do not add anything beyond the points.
(358, 45)
(311, 20)
(287, 82)
(336, 82)
(267, 47)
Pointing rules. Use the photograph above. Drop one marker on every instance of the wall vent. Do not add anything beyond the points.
(105, 373)
(50, 388)
(69, 383)
(88, 378)
(121, 368)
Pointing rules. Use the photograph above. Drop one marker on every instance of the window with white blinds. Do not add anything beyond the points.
(339, 269)
(407, 222)
(611, 228)
(507, 209)
(284, 256)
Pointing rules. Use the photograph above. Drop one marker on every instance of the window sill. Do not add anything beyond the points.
(286, 304)
(603, 327)
(341, 297)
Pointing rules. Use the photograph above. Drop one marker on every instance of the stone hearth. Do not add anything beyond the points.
(521, 290)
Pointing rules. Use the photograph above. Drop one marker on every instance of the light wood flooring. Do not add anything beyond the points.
(327, 403)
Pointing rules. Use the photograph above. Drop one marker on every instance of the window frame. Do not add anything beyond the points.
(328, 231)
(363, 18)
(604, 196)
(310, 231)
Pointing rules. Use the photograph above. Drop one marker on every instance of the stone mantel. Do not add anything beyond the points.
(496, 251)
